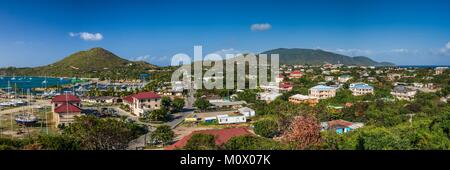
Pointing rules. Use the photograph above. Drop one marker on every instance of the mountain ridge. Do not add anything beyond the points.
(318, 56)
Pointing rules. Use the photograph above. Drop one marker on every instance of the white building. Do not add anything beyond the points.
(329, 78)
(247, 112)
(225, 119)
(344, 78)
(268, 96)
(440, 70)
(359, 89)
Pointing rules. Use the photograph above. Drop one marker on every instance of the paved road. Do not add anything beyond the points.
(178, 118)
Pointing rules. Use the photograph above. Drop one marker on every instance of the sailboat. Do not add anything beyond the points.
(26, 118)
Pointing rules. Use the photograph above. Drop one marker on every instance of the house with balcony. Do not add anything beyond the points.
(322, 91)
(359, 89)
(402, 92)
(141, 102)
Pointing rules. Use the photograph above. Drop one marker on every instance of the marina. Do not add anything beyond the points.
(24, 82)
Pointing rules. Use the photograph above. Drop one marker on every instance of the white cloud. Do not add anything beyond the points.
(446, 49)
(400, 50)
(354, 52)
(142, 58)
(87, 36)
(151, 59)
(260, 27)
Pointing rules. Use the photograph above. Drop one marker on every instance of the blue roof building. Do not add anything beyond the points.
(359, 89)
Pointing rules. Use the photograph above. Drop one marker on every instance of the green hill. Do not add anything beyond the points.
(96, 62)
(318, 57)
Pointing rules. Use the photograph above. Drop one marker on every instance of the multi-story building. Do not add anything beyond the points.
(403, 93)
(322, 91)
(141, 102)
(359, 89)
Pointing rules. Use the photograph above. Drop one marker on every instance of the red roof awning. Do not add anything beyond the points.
(67, 108)
(221, 136)
(65, 98)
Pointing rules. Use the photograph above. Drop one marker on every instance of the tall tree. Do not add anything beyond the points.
(201, 142)
(94, 133)
(303, 133)
(163, 134)
(178, 104)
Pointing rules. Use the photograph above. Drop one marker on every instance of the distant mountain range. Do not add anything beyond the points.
(318, 57)
(95, 62)
(98, 62)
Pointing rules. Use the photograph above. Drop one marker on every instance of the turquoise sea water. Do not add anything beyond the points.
(22, 82)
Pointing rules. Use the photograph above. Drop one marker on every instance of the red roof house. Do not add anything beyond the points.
(141, 102)
(296, 74)
(141, 96)
(221, 136)
(65, 107)
(66, 103)
(285, 86)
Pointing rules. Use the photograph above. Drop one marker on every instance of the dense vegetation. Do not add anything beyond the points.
(85, 133)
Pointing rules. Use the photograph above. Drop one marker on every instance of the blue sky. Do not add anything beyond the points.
(34, 33)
